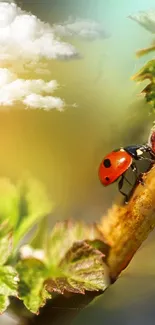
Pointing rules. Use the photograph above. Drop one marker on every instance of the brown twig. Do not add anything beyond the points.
(126, 227)
(145, 51)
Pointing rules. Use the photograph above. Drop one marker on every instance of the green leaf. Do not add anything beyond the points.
(145, 19)
(147, 72)
(8, 281)
(99, 245)
(4, 303)
(149, 93)
(82, 268)
(9, 201)
(5, 243)
(8, 286)
(23, 205)
(64, 234)
(70, 264)
(36, 206)
(39, 240)
(72, 256)
(32, 291)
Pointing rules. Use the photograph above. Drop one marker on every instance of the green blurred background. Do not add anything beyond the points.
(64, 149)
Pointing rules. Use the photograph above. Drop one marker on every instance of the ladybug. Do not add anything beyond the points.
(116, 164)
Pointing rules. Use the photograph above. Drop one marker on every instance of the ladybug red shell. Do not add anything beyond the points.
(113, 166)
(116, 163)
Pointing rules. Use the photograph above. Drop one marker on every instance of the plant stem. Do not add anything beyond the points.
(145, 51)
(126, 227)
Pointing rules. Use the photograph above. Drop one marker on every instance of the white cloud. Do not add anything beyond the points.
(27, 44)
(24, 42)
(32, 93)
(24, 36)
(84, 28)
(47, 103)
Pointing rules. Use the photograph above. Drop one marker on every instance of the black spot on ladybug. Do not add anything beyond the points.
(107, 163)
(107, 178)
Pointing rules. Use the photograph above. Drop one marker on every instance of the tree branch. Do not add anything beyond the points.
(126, 227)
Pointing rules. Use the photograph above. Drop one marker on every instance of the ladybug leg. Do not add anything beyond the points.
(138, 178)
(152, 154)
(152, 161)
(134, 170)
(127, 180)
(120, 185)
